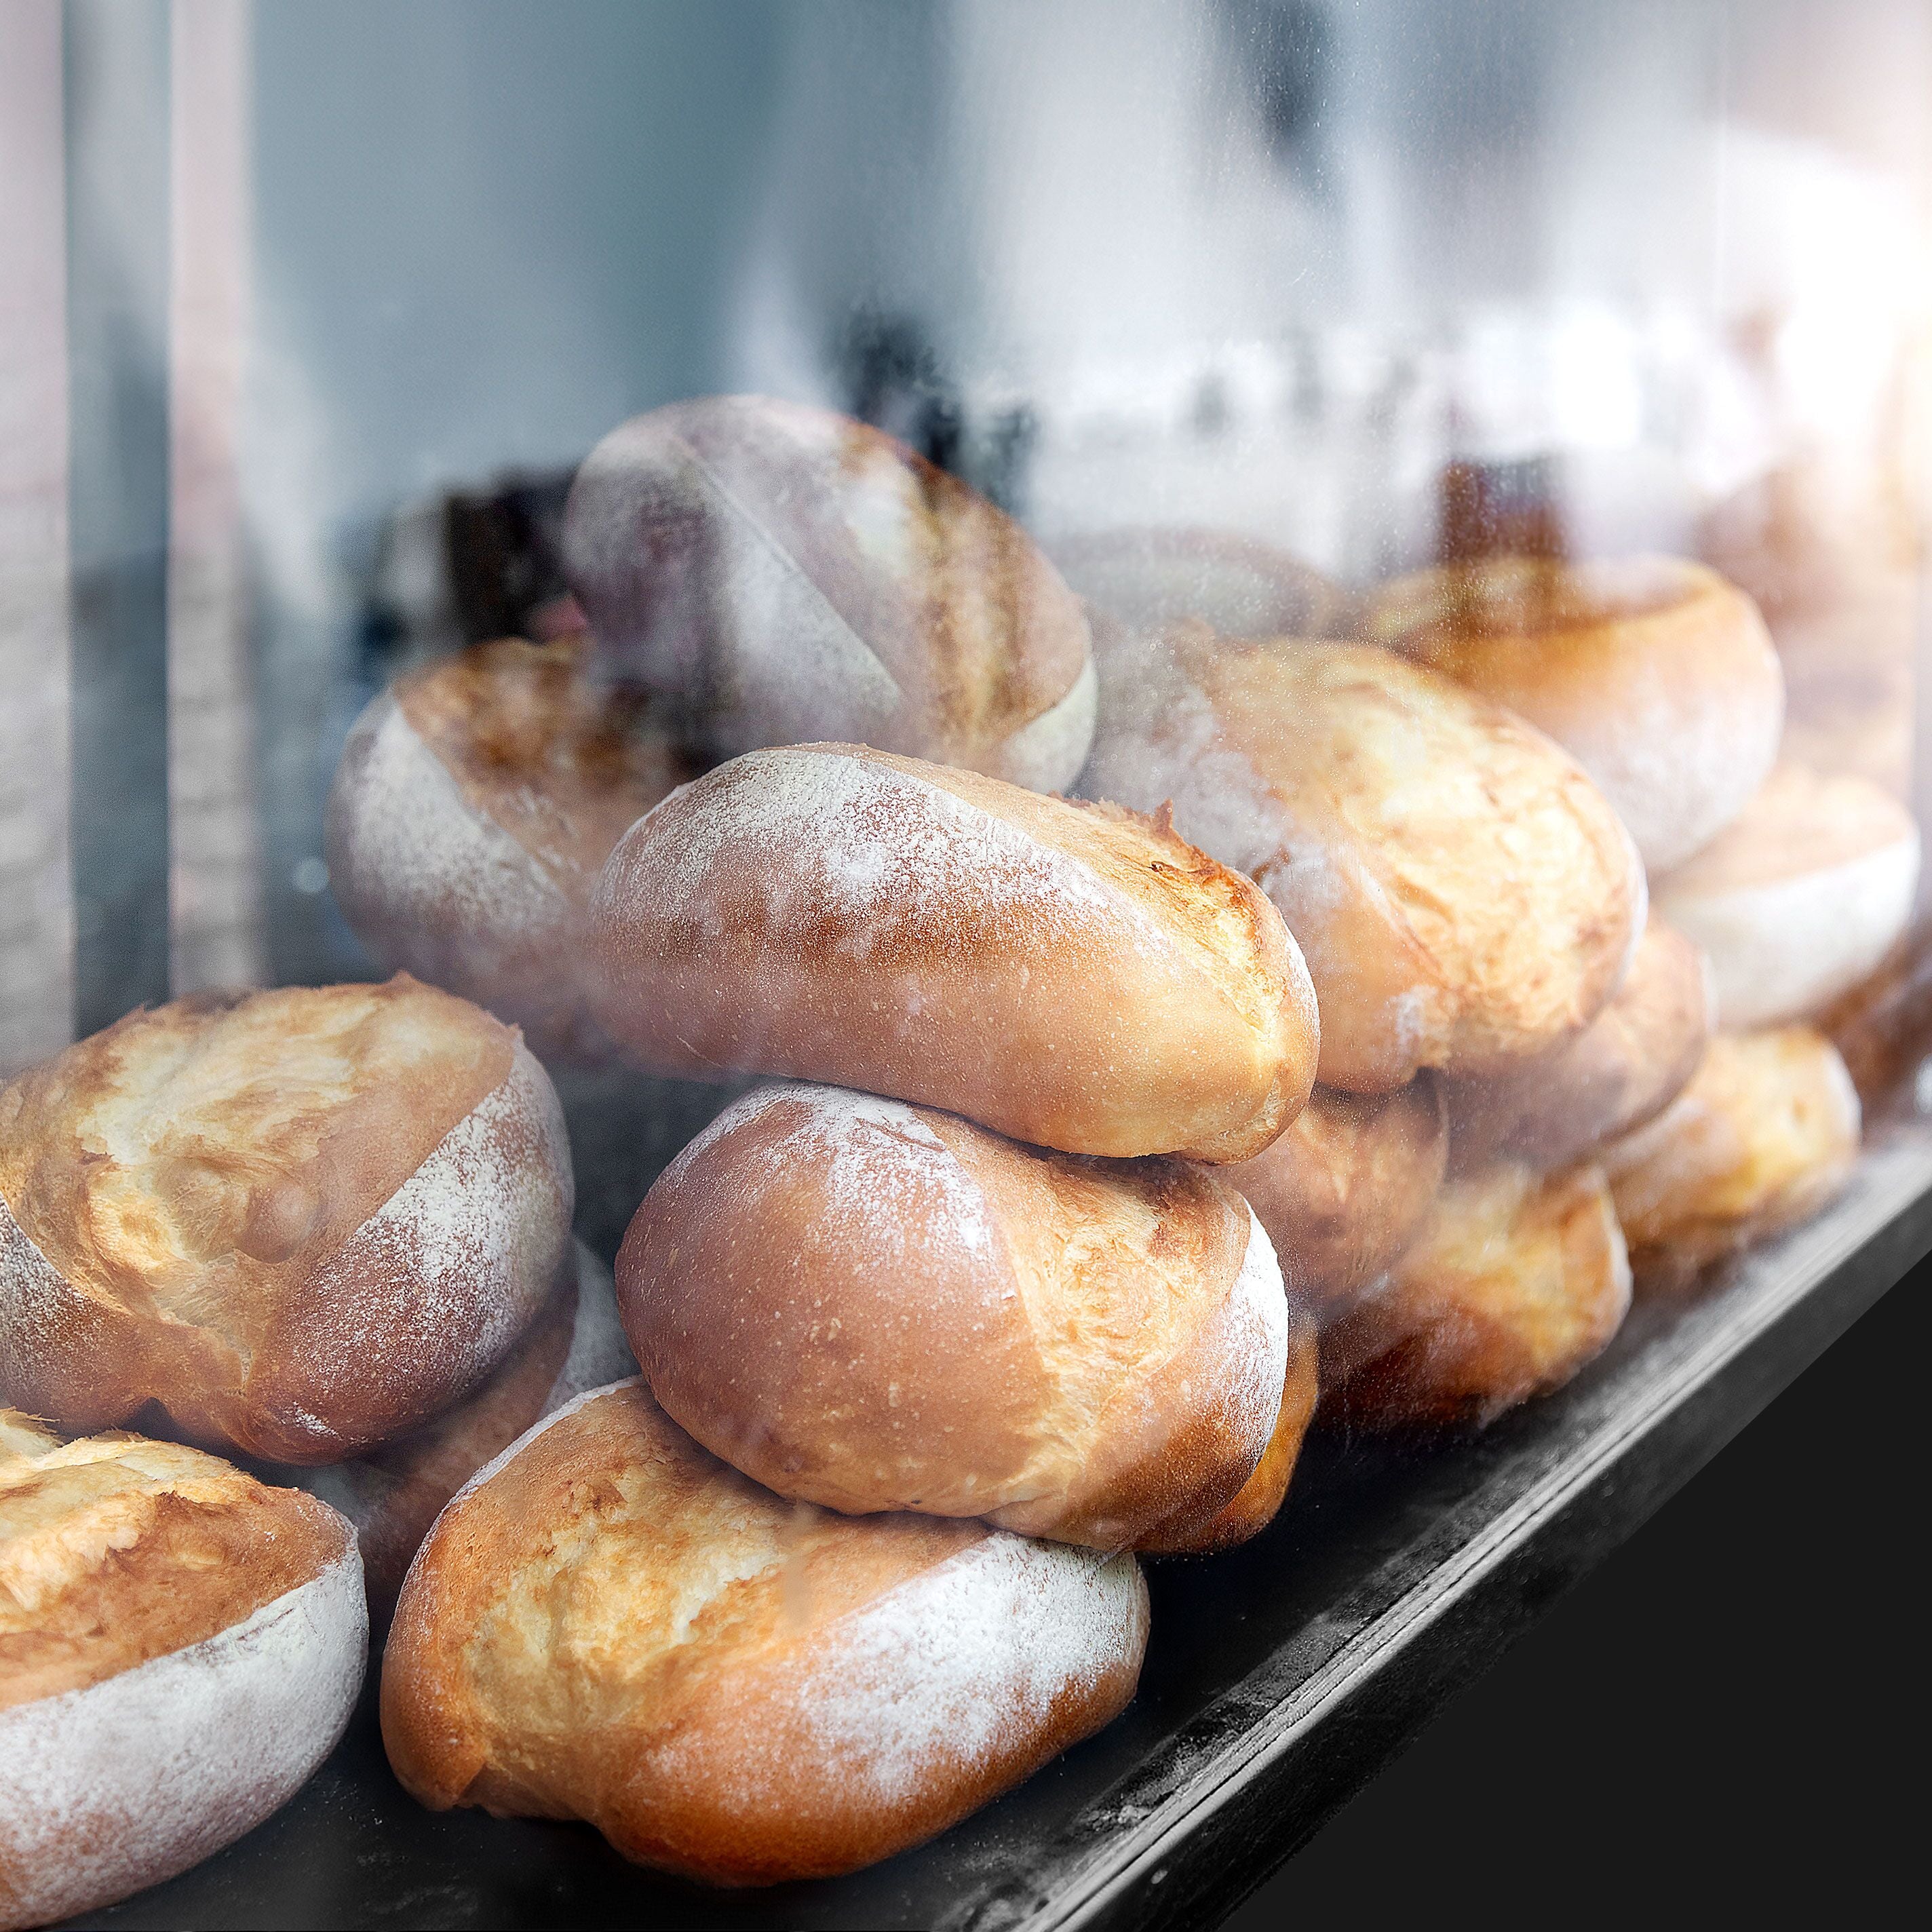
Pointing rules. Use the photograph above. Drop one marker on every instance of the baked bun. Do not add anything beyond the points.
(1516, 1281)
(300, 1223)
(1883, 1027)
(1084, 1351)
(610, 1625)
(474, 805)
(1762, 1138)
(1343, 1191)
(780, 573)
(180, 1647)
(1622, 1070)
(1068, 974)
(1462, 893)
(1656, 673)
(393, 1494)
(1259, 1500)
(1148, 579)
(1801, 898)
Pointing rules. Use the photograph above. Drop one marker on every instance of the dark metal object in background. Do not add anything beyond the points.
(116, 81)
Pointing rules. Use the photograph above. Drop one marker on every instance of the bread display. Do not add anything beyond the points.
(1761, 1139)
(394, 1493)
(1516, 1281)
(1626, 1066)
(1082, 1350)
(1801, 898)
(1655, 673)
(180, 1647)
(1148, 579)
(1068, 974)
(473, 807)
(1343, 1191)
(1462, 894)
(781, 575)
(299, 1222)
(610, 1625)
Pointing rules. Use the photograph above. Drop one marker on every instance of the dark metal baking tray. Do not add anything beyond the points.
(1280, 1677)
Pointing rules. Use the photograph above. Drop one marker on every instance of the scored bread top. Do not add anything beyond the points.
(114, 1550)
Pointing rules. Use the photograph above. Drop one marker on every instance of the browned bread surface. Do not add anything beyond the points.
(1071, 975)
(1516, 1281)
(302, 1221)
(1462, 894)
(611, 1624)
(784, 573)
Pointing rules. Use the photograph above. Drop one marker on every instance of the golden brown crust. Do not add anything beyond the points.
(300, 1221)
(1658, 674)
(1623, 1069)
(1073, 975)
(612, 1625)
(1516, 1281)
(1763, 1137)
(1084, 1350)
(114, 1550)
(1344, 1190)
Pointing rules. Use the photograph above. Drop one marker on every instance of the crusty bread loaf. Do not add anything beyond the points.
(1655, 673)
(781, 574)
(300, 1221)
(1516, 1281)
(1624, 1068)
(610, 1625)
(1762, 1138)
(1801, 898)
(180, 1647)
(1344, 1190)
(1148, 579)
(878, 1306)
(393, 1494)
(473, 807)
(1068, 974)
(1258, 1501)
(1463, 895)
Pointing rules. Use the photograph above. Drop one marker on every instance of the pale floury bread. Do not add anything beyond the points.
(1462, 894)
(1801, 898)
(1516, 1281)
(780, 574)
(1626, 1066)
(1069, 974)
(180, 1647)
(1656, 673)
(878, 1306)
(1343, 1191)
(611, 1624)
(473, 807)
(1763, 1137)
(300, 1221)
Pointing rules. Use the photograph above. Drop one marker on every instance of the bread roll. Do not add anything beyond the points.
(1626, 1066)
(782, 574)
(1462, 893)
(1657, 674)
(1343, 1191)
(393, 1494)
(1516, 1281)
(300, 1223)
(1762, 1138)
(1068, 974)
(1083, 1351)
(1148, 579)
(180, 1648)
(1257, 1502)
(1800, 898)
(610, 1625)
(1883, 1027)
(474, 805)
